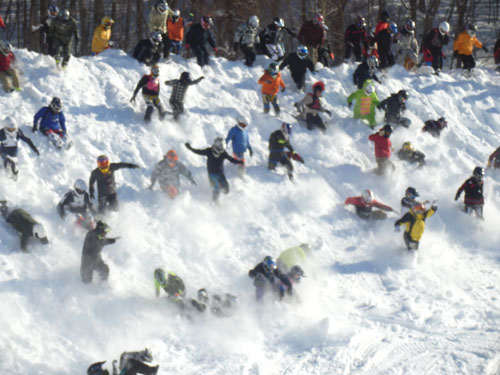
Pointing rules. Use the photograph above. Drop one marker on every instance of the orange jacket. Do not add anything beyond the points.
(270, 85)
(175, 29)
(464, 43)
(100, 41)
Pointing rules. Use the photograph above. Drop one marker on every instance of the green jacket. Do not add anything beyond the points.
(291, 257)
(173, 286)
(63, 31)
(365, 105)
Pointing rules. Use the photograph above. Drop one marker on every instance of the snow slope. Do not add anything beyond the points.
(366, 306)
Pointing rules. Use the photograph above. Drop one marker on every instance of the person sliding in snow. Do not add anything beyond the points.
(366, 102)
(167, 173)
(473, 187)
(148, 51)
(311, 106)
(104, 175)
(77, 201)
(414, 220)
(298, 63)
(197, 37)
(267, 277)
(409, 154)
(133, 363)
(294, 256)
(172, 284)
(150, 85)
(383, 149)
(494, 159)
(238, 135)
(179, 88)
(365, 70)
(279, 141)
(245, 38)
(394, 106)
(9, 137)
(215, 166)
(62, 31)
(52, 123)
(271, 82)
(408, 200)
(295, 274)
(364, 205)
(434, 127)
(463, 46)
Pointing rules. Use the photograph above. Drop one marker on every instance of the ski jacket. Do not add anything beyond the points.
(75, 203)
(291, 257)
(311, 104)
(406, 204)
(408, 44)
(106, 181)
(158, 20)
(240, 139)
(272, 276)
(412, 156)
(272, 34)
(297, 65)
(494, 159)
(415, 223)
(100, 40)
(167, 175)
(63, 31)
(93, 245)
(364, 107)
(6, 61)
(174, 287)
(197, 36)
(312, 34)
(278, 145)
(355, 35)
(364, 210)
(246, 35)
(392, 106)
(175, 29)
(148, 52)
(215, 164)
(464, 44)
(128, 360)
(434, 40)
(179, 88)
(473, 192)
(384, 40)
(383, 145)
(381, 25)
(23, 223)
(433, 127)
(270, 85)
(50, 120)
(150, 85)
(362, 73)
(8, 142)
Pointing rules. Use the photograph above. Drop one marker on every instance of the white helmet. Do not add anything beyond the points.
(444, 28)
(10, 125)
(80, 186)
(253, 22)
(367, 196)
(39, 232)
(369, 89)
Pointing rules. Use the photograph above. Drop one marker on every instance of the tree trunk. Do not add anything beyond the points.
(128, 21)
(429, 15)
(34, 20)
(336, 31)
(140, 16)
(84, 28)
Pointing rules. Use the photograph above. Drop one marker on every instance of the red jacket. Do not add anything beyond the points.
(383, 146)
(312, 34)
(2, 24)
(381, 26)
(359, 202)
(5, 61)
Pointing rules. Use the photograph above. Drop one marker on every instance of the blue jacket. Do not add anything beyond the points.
(50, 120)
(240, 139)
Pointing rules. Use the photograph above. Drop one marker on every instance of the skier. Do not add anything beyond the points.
(175, 32)
(245, 38)
(432, 46)
(496, 54)
(167, 173)
(366, 101)
(24, 224)
(271, 39)
(464, 45)
(47, 42)
(473, 187)
(132, 363)
(215, 166)
(9, 137)
(172, 284)
(197, 37)
(279, 141)
(366, 70)
(104, 175)
(158, 16)
(383, 148)
(365, 204)
(312, 34)
(149, 85)
(179, 88)
(102, 35)
(148, 51)
(95, 240)
(220, 306)
(62, 31)
(52, 123)
(354, 37)
(310, 107)
(267, 276)
(77, 201)
(494, 159)
(292, 256)
(409, 154)
(9, 75)
(298, 62)
(394, 106)
(238, 135)
(408, 45)
(271, 82)
(414, 220)
(408, 200)
(434, 127)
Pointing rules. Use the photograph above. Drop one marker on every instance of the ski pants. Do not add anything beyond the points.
(437, 58)
(268, 100)
(218, 182)
(280, 158)
(89, 265)
(315, 121)
(177, 107)
(175, 46)
(249, 54)
(476, 208)
(299, 79)
(383, 164)
(467, 62)
(108, 202)
(396, 119)
(62, 51)
(138, 367)
(386, 58)
(201, 54)
(9, 79)
(9, 157)
(166, 45)
(410, 243)
(152, 101)
(355, 48)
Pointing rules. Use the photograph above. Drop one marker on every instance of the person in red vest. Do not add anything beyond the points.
(364, 205)
(311, 106)
(8, 74)
(383, 149)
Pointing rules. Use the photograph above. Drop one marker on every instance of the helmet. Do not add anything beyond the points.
(367, 196)
(80, 186)
(56, 104)
(218, 146)
(318, 18)
(273, 69)
(155, 70)
(96, 369)
(407, 146)
(360, 22)
(162, 6)
(442, 122)
(387, 129)
(107, 21)
(302, 51)
(102, 162)
(5, 47)
(10, 125)
(410, 25)
(318, 86)
(253, 22)
(39, 232)
(403, 96)
(52, 11)
(369, 89)
(471, 29)
(156, 37)
(242, 122)
(372, 62)
(146, 355)
(202, 295)
(411, 192)
(207, 22)
(444, 28)
(279, 22)
(171, 157)
(393, 27)
(478, 173)
(159, 275)
(269, 263)
(64, 14)
(296, 272)
(102, 227)
(185, 77)
(418, 208)
(176, 13)
(384, 16)
(286, 129)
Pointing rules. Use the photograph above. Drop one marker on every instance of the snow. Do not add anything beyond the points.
(366, 306)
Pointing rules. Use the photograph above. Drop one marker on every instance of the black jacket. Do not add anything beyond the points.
(75, 203)
(434, 40)
(93, 246)
(106, 182)
(197, 35)
(392, 106)
(473, 192)
(23, 223)
(215, 164)
(272, 276)
(278, 145)
(355, 35)
(148, 52)
(143, 84)
(7, 147)
(297, 65)
(384, 40)
(362, 73)
(433, 127)
(412, 156)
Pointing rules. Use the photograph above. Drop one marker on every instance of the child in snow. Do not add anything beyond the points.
(150, 85)
(311, 105)
(364, 205)
(179, 88)
(408, 45)
(9, 75)
(52, 123)
(408, 200)
(175, 32)
(394, 106)
(464, 45)
(245, 38)
(473, 187)
(197, 37)
(215, 166)
(167, 172)
(63, 30)
(238, 135)
(77, 201)
(271, 82)
(267, 277)
(295, 274)
(409, 154)
(366, 102)
(148, 51)
(279, 141)
(365, 70)
(298, 63)
(47, 43)
(494, 159)
(383, 149)
(132, 363)
(414, 220)
(434, 127)
(172, 284)
(102, 35)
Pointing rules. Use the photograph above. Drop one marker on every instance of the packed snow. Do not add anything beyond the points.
(366, 305)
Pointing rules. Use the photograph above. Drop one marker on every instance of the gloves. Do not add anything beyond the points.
(250, 152)
(328, 112)
(485, 49)
(455, 54)
(187, 46)
(188, 146)
(216, 50)
(135, 166)
(397, 228)
(283, 89)
(236, 46)
(456, 197)
(332, 56)
(36, 151)
(34, 129)
(132, 100)
(349, 104)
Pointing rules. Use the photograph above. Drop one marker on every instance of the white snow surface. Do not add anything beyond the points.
(366, 306)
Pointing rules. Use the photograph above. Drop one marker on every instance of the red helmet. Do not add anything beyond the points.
(103, 162)
(319, 86)
(171, 157)
(318, 18)
(418, 208)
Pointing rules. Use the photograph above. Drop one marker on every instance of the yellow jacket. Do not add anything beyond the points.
(292, 256)
(101, 38)
(464, 43)
(415, 223)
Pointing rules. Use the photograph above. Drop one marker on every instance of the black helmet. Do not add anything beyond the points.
(96, 369)
(64, 14)
(56, 104)
(471, 28)
(384, 16)
(360, 22)
(102, 227)
(403, 95)
(411, 192)
(478, 173)
(387, 129)
(185, 77)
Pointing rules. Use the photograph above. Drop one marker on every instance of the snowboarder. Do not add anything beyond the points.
(383, 149)
(271, 82)
(215, 166)
(220, 306)
(197, 37)
(158, 17)
(62, 31)
(355, 37)
(432, 46)
(494, 159)
(312, 34)
(366, 70)
(473, 187)
(298, 62)
(52, 123)
(394, 106)
(179, 88)
(24, 224)
(366, 101)
(77, 201)
(296, 255)
(104, 175)
(238, 135)
(409, 154)
(245, 38)
(464, 45)
(310, 107)
(95, 240)
(132, 363)
(365, 204)
(9, 137)
(9, 75)
(409, 199)
(408, 45)
(434, 127)
(279, 141)
(414, 220)
(102, 36)
(175, 32)
(148, 51)
(172, 284)
(271, 39)
(149, 84)
(267, 277)
(47, 43)
(167, 173)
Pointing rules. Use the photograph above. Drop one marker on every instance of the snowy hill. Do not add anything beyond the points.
(366, 306)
